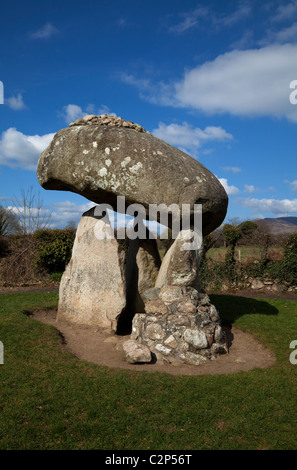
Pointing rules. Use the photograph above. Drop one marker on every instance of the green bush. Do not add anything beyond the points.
(54, 249)
(257, 269)
(214, 274)
(289, 265)
(17, 259)
(3, 246)
(232, 235)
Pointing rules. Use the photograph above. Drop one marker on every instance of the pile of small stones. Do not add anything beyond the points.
(180, 326)
(105, 120)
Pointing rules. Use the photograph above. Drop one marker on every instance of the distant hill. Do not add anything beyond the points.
(279, 225)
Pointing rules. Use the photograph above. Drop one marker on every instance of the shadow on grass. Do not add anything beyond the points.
(233, 307)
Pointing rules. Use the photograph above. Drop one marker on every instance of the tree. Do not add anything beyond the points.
(9, 223)
(3, 223)
(30, 212)
(208, 242)
(234, 221)
(247, 228)
(232, 235)
(264, 240)
(290, 260)
(71, 224)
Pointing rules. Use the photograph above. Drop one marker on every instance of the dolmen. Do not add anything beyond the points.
(115, 278)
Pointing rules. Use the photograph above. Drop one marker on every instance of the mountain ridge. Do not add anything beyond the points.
(278, 225)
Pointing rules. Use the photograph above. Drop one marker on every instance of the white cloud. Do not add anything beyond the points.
(293, 184)
(20, 150)
(230, 189)
(244, 41)
(275, 206)
(233, 169)
(287, 34)
(159, 93)
(188, 23)
(103, 109)
(282, 36)
(66, 210)
(202, 15)
(91, 109)
(45, 32)
(141, 83)
(68, 206)
(242, 11)
(249, 188)
(252, 82)
(259, 216)
(190, 138)
(42, 212)
(190, 20)
(285, 12)
(71, 112)
(15, 102)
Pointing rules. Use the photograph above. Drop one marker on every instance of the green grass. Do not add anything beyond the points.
(50, 399)
(243, 252)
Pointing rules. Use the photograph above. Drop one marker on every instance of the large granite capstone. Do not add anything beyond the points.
(102, 161)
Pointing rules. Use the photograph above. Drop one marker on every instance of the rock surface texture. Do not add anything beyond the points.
(180, 325)
(119, 282)
(105, 157)
(180, 266)
(105, 278)
(136, 353)
(93, 287)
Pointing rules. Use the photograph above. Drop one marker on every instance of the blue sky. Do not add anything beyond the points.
(210, 77)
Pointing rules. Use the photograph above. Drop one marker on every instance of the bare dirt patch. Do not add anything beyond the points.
(22, 289)
(103, 347)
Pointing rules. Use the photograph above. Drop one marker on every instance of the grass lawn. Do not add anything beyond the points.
(49, 399)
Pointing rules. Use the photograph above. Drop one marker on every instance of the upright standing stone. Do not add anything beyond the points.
(180, 266)
(93, 286)
(104, 281)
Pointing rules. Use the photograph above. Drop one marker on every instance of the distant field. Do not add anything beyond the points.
(244, 253)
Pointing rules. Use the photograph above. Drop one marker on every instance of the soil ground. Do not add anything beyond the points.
(30, 288)
(103, 347)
